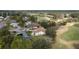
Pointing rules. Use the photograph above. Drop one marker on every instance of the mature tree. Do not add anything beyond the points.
(19, 19)
(5, 38)
(44, 24)
(21, 43)
(51, 32)
(41, 42)
(47, 24)
(33, 18)
(51, 24)
(62, 23)
(74, 15)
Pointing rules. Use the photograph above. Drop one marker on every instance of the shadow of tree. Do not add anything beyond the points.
(76, 45)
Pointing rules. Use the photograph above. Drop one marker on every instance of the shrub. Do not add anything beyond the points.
(41, 42)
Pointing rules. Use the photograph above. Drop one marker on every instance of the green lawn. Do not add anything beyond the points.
(76, 25)
(72, 33)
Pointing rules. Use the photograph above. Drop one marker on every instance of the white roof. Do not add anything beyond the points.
(1, 17)
(17, 30)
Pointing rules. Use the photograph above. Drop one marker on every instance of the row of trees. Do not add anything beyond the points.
(50, 27)
(47, 24)
(19, 19)
(5, 38)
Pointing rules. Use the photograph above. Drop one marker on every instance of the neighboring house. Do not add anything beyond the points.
(24, 35)
(38, 31)
(28, 23)
(20, 32)
(15, 31)
(50, 16)
(14, 23)
(25, 18)
(7, 18)
(32, 25)
(1, 18)
(2, 25)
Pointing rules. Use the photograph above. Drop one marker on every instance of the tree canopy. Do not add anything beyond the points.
(41, 42)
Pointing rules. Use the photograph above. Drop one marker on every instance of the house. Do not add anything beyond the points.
(35, 28)
(20, 32)
(35, 25)
(28, 23)
(7, 18)
(50, 16)
(38, 31)
(2, 25)
(13, 23)
(1, 18)
(25, 18)
(24, 35)
(15, 30)
(31, 25)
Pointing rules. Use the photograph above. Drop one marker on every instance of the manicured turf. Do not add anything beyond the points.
(72, 33)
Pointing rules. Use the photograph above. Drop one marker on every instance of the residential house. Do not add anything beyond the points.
(7, 18)
(14, 23)
(35, 28)
(31, 25)
(28, 23)
(38, 31)
(20, 32)
(50, 16)
(25, 18)
(24, 35)
(2, 25)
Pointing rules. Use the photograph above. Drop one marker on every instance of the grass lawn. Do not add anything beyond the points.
(60, 46)
(72, 33)
(76, 25)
